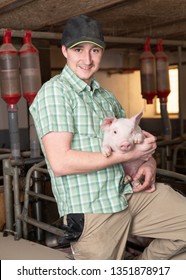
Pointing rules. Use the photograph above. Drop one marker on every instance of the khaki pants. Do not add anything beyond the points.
(160, 215)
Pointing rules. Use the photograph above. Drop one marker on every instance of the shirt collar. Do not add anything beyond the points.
(78, 84)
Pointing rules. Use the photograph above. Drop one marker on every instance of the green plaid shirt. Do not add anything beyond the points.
(66, 103)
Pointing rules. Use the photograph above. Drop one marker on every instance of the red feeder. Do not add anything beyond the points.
(9, 70)
(162, 72)
(148, 73)
(30, 68)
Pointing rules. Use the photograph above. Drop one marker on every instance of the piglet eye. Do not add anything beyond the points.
(115, 132)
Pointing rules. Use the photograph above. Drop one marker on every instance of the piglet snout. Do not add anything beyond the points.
(125, 146)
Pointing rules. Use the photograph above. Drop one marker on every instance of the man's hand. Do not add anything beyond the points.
(145, 150)
(147, 171)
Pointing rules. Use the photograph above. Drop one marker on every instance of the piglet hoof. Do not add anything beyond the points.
(138, 138)
(127, 179)
(136, 184)
(106, 151)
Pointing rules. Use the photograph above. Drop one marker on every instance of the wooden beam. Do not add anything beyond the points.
(8, 5)
(87, 8)
(42, 13)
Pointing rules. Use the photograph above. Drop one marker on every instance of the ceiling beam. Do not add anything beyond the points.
(9, 5)
(47, 12)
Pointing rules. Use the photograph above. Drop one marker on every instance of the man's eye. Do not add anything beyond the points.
(77, 49)
(96, 50)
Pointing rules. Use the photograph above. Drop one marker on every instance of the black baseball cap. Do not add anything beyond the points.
(82, 29)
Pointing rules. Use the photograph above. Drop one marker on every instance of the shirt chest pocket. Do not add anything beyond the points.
(89, 115)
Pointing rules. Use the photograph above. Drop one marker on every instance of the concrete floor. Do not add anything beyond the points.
(22, 249)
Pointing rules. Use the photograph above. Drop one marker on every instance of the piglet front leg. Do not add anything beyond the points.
(138, 138)
(106, 150)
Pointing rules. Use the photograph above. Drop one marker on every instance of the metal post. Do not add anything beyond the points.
(14, 131)
(8, 194)
(180, 84)
(17, 205)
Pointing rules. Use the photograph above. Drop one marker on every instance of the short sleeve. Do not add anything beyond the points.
(52, 110)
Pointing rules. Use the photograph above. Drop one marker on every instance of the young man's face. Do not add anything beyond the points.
(84, 60)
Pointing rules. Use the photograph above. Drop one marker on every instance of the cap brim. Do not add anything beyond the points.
(101, 45)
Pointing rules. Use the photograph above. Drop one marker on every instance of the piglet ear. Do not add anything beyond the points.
(107, 122)
(136, 118)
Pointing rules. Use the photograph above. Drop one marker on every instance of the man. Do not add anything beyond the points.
(89, 189)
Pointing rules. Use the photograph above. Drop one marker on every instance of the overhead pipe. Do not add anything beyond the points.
(108, 39)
